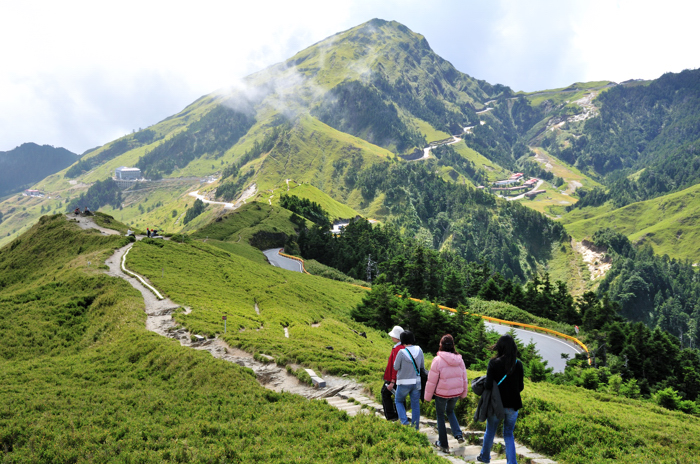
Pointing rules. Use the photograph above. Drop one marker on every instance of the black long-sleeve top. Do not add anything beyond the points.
(511, 387)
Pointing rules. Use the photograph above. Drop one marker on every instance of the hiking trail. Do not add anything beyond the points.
(342, 393)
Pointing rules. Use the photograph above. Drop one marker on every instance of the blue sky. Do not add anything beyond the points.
(79, 74)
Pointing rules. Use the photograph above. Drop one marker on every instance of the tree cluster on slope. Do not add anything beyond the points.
(117, 148)
(359, 110)
(640, 124)
(213, 134)
(657, 290)
(197, 208)
(473, 223)
(101, 193)
(306, 208)
(448, 156)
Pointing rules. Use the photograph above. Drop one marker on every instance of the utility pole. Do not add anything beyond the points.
(370, 263)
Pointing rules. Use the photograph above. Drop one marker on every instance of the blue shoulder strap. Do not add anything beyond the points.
(504, 377)
(414, 362)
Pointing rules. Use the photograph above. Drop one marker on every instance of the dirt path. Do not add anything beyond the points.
(522, 195)
(247, 193)
(88, 222)
(426, 150)
(270, 375)
(338, 391)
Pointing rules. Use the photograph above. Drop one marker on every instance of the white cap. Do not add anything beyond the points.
(396, 332)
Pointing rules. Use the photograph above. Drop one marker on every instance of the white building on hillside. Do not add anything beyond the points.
(126, 177)
(124, 173)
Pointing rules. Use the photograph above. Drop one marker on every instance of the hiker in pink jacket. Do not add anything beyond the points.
(447, 381)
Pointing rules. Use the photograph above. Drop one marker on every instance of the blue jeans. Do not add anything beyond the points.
(446, 406)
(413, 391)
(508, 427)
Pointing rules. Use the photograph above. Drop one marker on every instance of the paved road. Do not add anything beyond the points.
(549, 346)
(280, 261)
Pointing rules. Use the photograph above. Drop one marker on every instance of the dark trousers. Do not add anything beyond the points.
(388, 403)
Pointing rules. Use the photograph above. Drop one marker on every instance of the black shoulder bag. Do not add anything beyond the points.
(479, 383)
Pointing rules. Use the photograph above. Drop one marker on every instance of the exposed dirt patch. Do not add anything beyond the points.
(88, 222)
(596, 259)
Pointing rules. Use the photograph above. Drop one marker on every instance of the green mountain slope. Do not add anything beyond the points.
(83, 379)
(668, 223)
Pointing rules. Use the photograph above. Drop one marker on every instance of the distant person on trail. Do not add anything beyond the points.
(154, 232)
(76, 211)
(148, 232)
(447, 380)
(408, 365)
(130, 232)
(506, 371)
(390, 377)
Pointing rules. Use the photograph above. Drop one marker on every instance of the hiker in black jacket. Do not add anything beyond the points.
(504, 372)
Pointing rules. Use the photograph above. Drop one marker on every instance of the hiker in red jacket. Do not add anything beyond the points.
(388, 389)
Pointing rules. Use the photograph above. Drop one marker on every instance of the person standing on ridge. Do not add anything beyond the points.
(506, 371)
(447, 380)
(408, 364)
(390, 376)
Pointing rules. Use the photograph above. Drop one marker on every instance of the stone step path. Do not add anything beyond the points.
(459, 452)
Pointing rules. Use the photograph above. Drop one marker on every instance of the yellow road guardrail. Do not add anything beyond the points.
(303, 268)
(488, 318)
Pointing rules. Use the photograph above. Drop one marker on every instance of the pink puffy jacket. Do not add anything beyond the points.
(447, 377)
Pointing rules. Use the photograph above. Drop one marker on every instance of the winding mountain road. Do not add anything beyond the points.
(247, 193)
(278, 260)
(550, 348)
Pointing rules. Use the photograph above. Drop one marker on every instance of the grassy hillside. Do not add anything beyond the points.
(668, 223)
(247, 222)
(334, 208)
(569, 423)
(493, 170)
(285, 300)
(320, 155)
(82, 380)
(89, 382)
(578, 426)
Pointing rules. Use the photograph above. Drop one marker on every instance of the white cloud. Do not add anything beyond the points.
(80, 73)
(632, 39)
